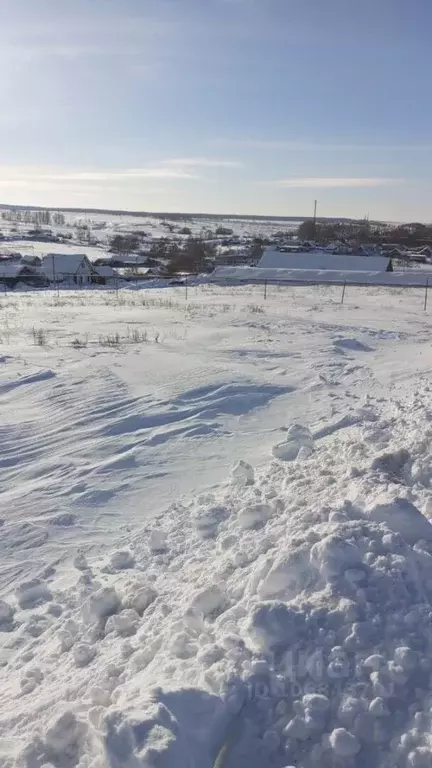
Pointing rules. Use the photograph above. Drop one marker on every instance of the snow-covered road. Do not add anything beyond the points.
(150, 592)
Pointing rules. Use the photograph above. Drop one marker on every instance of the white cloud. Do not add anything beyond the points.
(203, 162)
(29, 177)
(132, 173)
(331, 182)
(183, 169)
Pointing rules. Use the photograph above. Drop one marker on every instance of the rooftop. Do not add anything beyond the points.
(62, 263)
(274, 259)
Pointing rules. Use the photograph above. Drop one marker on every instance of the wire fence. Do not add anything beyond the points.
(264, 287)
(267, 286)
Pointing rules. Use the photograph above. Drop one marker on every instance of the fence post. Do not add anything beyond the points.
(265, 288)
(116, 287)
(343, 292)
(55, 281)
(186, 288)
(426, 295)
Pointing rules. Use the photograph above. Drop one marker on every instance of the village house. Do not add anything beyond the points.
(105, 274)
(425, 251)
(68, 267)
(12, 273)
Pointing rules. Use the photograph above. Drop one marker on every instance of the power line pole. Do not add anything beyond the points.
(314, 219)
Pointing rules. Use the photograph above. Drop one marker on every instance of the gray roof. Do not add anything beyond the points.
(274, 259)
(105, 271)
(62, 263)
(12, 270)
(315, 276)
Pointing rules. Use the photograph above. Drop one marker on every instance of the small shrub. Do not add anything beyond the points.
(79, 343)
(136, 336)
(255, 309)
(111, 340)
(39, 337)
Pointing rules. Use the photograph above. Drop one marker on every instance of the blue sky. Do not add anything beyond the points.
(236, 106)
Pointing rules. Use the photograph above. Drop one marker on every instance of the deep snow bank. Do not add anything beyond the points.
(286, 616)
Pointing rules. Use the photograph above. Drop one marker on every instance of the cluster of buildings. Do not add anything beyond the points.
(235, 260)
(53, 268)
(400, 255)
(305, 264)
(420, 255)
(69, 268)
(394, 251)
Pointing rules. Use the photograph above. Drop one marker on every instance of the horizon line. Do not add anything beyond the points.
(195, 214)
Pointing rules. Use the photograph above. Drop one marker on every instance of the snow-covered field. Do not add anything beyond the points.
(107, 226)
(104, 227)
(215, 541)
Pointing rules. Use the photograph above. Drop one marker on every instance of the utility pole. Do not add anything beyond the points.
(314, 218)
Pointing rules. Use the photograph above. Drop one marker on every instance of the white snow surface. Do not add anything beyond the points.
(216, 545)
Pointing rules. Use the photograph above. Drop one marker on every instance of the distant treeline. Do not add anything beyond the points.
(363, 232)
(161, 215)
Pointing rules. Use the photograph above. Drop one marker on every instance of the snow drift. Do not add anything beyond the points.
(284, 619)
